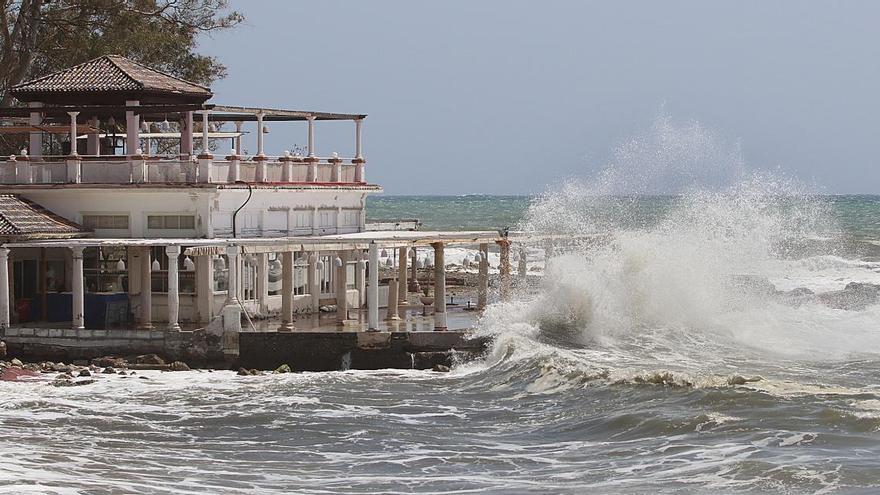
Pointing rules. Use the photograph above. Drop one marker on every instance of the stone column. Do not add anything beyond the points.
(483, 278)
(262, 260)
(132, 128)
(78, 287)
(373, 289)
(260, 116)
(311, 148)
(238, 126)
(173, 253)
(146, 322)
(93, 140)
(4, 288)
(232, 308)
(73, 133)
(504, 269)
(391, 313)
(439, 288)
(402, 286)
(314, 281)
(358, 124)
(205, 287)
(186, 136)
(360, 278)
(35, 138)
(414, 276)
(342, 288)
(286, 292)
(205, 157)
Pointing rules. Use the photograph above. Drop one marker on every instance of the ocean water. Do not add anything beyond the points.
(722, 338)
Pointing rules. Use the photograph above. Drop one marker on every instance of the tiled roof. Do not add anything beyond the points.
(111, 73)
(21, 218)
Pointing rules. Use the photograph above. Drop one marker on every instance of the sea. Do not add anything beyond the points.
(721, 338)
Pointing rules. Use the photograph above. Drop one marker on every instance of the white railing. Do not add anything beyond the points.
(127, 170)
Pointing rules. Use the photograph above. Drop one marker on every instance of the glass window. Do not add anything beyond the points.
(171, 222)
(105, 222)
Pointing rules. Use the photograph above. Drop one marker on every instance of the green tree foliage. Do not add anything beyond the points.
(42, 36)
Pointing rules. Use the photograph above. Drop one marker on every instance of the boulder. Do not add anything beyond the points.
(441, 368)
(17, 363)
(282, 369)
(2, 349)
(149, 359)
(109, 371)
(179, 366)
(243, 372)
(109, 361)
(85, 373)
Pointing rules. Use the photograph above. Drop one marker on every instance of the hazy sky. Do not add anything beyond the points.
(507, 96)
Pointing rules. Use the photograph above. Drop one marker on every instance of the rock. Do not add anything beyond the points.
(856, 296)
(282, 369)
(80, 362)
(85, 373)
(121, 372)
(149, 359)
(441, 368)
(109, 371)
(2, 349)
(109, 361)
(17, 363)
(59, 367)
(144, 378)
(179, 366)
(255, 372)
(243, 372)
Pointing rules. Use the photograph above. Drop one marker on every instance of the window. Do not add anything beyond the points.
(171, 222)
(113, 222)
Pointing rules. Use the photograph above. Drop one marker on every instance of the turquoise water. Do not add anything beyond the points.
(856, 215)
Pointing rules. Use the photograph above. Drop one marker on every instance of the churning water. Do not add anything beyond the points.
(722, 338)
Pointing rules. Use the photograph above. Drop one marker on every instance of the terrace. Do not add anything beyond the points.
(113, 121)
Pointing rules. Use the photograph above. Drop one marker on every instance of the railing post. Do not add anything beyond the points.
(313, 168)
(234, 167)
(74, 169)
(22, 169)
(286, 167)
(261, 173)
(336, 170)
(139, 172)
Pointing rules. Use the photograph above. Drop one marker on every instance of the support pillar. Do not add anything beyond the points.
(414, 276)
(439, 288)
(311, 148)
(93, 140)
(205, 158)
(79, 289)
(483, 278)
(4, 288)
(173, 253)
(205, 287)
(186, 136)
(260, 134)
(262, 260)
(360, 279)
(402, 286)
(146, 320)
(391, 312)
(132, 128)
(35, 138)
(73, 115)
(504, 269)
(342, 288)
(238, 126)
(373, 290)
(232, 308)
(286, 292)
(314, 281)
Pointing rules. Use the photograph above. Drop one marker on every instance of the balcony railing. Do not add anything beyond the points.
(166, 170)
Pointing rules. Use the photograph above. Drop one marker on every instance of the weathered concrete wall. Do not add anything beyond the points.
(325, 351)
(193, 347)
